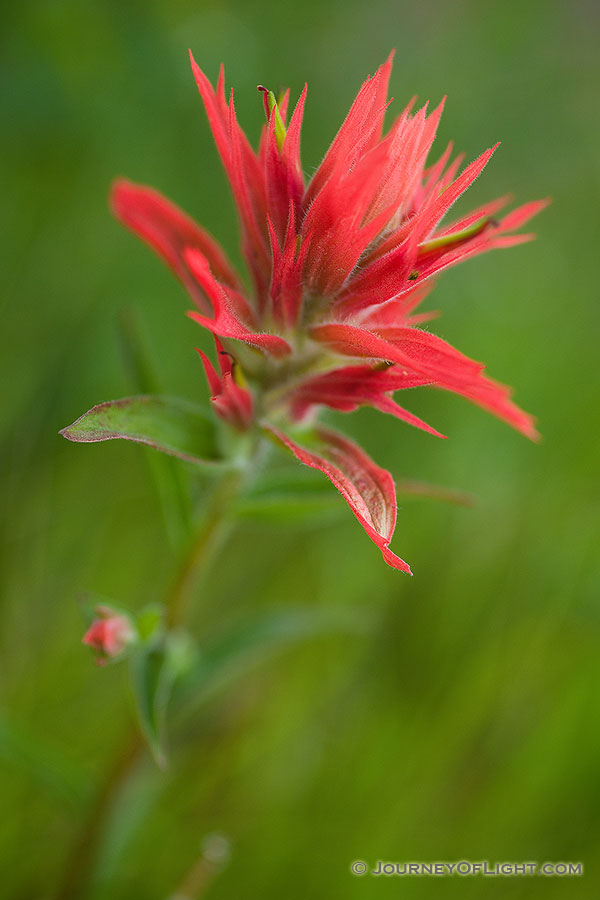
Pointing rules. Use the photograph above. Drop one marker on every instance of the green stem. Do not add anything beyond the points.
(200, 553)
(203, 548)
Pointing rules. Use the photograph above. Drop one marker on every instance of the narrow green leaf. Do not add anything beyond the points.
(150, 622)
(155, 668)
(169, 424)
(151, 698)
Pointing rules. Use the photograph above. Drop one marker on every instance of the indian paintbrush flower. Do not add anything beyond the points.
(338, 268)
(109, 634)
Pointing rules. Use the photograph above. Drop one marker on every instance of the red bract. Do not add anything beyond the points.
(338, 268)
(231, 401)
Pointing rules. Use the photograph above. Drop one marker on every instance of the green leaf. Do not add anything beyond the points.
(151, 698)
(169, 424)
(155, 668)
(150, 622)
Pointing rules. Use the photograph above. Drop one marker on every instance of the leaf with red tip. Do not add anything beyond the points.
(367, 489)
(169, 424)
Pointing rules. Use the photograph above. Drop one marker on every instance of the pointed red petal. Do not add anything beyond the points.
(231, 401)
(436, 200)
(492, 236)
(214, 382)
(522, 214)
(430, 356)
(495, 398)
(387, 405)
(367, 489)
(168, 230)
(357, 134)
(381, 95)
(243, 170)
(232, 314)
(348, 388)
(283, 171)
(418, 350)
(438, 209)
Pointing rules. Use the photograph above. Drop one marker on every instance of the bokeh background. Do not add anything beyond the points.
(451, 716)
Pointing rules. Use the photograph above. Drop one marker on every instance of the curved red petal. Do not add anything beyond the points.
(367, 489)
(430, 356)
(232, 315)
(169, 231)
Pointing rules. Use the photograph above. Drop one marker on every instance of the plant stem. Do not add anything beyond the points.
(203, 548)
(208, 540)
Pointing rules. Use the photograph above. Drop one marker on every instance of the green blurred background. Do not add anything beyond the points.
(461, 721)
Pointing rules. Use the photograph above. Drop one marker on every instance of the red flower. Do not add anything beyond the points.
(109, 634)
(338, 267)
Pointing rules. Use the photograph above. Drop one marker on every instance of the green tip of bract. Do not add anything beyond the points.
(272, 108)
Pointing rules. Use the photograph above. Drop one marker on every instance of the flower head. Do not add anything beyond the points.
(109, 634)
(338, 266)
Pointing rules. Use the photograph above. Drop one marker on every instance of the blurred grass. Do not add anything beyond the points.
(466, 726)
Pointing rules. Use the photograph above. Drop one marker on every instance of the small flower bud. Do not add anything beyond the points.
(109, 634)
(272, 108)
